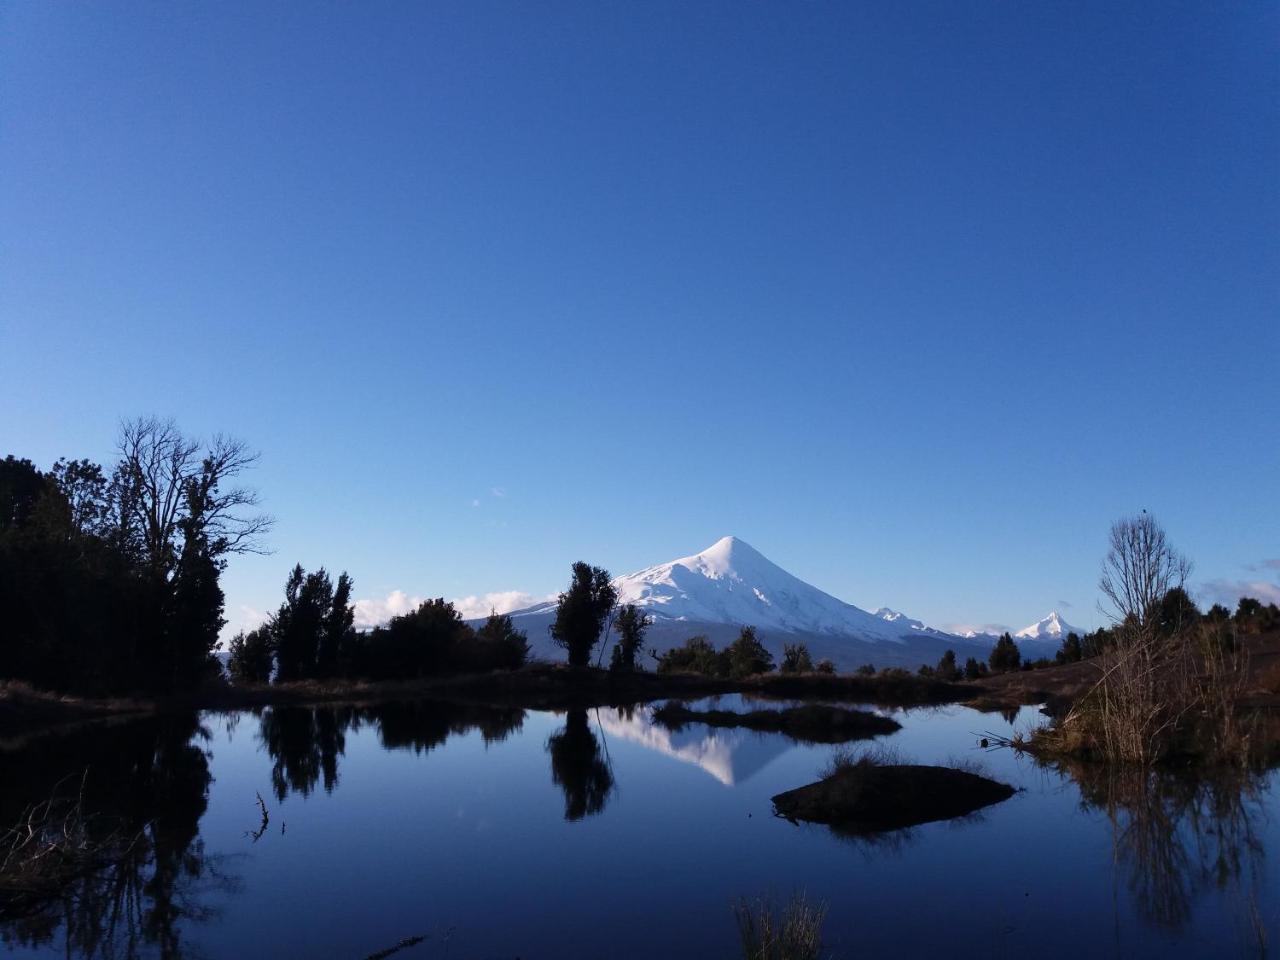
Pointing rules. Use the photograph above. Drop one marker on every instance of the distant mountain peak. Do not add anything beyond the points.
(1050, 627)
(730, 582)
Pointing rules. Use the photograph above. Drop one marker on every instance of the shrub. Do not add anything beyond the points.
(866, 670)
(796, 659)
(825, 667)
(696, 656)
(974, 668)
(424, 642)
(747, 655)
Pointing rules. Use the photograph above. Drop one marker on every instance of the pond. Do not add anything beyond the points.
(500, 832)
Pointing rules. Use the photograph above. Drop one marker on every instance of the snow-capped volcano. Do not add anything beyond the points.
(1052, 628)
(731, 584)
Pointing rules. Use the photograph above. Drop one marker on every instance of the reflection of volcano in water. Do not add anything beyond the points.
(731, 756)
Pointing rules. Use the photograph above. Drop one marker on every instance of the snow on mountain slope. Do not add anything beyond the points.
(1052, 628)
(731, 582)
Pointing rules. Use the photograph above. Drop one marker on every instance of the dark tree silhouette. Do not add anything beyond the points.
(631, 624)
(313, 626)
(696, 655)
(111, 584)
(250, 659)
(796, 659)
(747, 656)
(1005, 655)
(947, 668)
(581, 612)
(499, 645)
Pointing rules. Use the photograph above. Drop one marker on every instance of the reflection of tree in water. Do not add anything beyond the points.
(147, 782)
(1176, 833)
(578, 768)
(305, 743)
(423, 725)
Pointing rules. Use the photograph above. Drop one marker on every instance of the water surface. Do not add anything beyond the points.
(511, 833)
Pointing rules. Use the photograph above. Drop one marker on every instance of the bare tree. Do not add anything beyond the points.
(164, 481)
(1140, 568)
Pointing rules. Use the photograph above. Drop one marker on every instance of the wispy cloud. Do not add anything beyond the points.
(498, 492)
(1229, 592)
(1065, 604)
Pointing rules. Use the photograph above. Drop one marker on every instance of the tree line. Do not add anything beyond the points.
(109, 580)
(109, 577)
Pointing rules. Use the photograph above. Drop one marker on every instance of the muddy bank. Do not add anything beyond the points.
(870, 798)
(812, 723)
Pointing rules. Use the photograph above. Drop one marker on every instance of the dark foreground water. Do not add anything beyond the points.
(511, 833)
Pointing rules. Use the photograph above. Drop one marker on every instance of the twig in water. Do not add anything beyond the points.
(256, 835)
(404, 944)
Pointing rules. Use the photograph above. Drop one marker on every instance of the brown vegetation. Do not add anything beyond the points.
(794, 933)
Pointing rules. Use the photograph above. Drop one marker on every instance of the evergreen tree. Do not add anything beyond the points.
(1005, 655)
(947, 669)
(336, 632)
(581, 612)
(1072, 650)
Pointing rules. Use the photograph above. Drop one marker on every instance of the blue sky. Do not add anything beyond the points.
(915, 298)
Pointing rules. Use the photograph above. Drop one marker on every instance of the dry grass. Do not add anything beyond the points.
(879, 755)
(1159, 698)
(52, 843)
(794, 933)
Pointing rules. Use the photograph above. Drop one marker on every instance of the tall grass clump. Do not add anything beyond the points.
(51, 844)
(794, 933)
(1169, 680)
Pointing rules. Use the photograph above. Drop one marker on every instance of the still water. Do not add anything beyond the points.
(508, 833)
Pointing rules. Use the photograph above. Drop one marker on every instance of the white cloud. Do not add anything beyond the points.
(377, 611)
(498, 492)
(244, 618)
(472, 608)
(372, 613)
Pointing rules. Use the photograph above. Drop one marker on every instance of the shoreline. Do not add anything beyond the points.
(25, 712)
